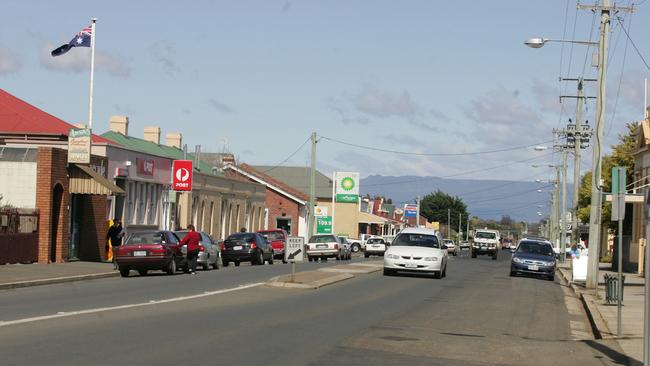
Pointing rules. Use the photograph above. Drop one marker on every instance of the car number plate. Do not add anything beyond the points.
(140, 253)
(321, 246)
(533, 268)
(411, 265)
(237, 247)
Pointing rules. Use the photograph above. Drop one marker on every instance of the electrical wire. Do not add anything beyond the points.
(434, 154)
(633, 44)
(620, 79)
(288, 157)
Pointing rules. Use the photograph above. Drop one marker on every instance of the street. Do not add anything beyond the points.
(477, 315)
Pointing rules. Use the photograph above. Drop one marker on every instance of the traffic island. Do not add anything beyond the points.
(308, 279)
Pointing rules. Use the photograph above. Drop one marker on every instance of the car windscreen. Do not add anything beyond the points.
(416, 240)
(145, 238)
(535, 248)
(485, 235)
(273, 235)
(180, 234)
(322, 239)
(241, 237)
(375, 241)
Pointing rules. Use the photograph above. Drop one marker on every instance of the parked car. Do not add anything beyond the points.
(150, 250)
(465, 245)
(324, 246)
(347, 246)
(417, 250)
(209, 252)
(246, 247)
(278, 240)
(451, 247)
(533, 257)
(375, 246)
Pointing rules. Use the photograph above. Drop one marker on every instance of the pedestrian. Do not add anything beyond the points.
(575, 252)
(242, 230)
(115, 235)
(192, 240)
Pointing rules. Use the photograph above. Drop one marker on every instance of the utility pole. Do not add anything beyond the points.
(449, 223)
(312, 188)
(417, 216)
(460, 218)
(563, 214)
(467, 232)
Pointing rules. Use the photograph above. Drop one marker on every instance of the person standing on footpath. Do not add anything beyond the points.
(192, 240)
(115, 235)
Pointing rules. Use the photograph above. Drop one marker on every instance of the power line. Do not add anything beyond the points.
(288, 157)
(618, 18)
(509, 195)
(433, 154)
(620, 79)
(457, 174)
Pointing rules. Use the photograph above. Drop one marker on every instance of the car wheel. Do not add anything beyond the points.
(494, 257)
(324, 259)
(237, 263)
(143, 272)
(355, 248)
(206, 266)
(366, 255)
(437, 275)
(310, 259)
(339, 257)
(215, 265)
(124, 272)
(271, 259)
(388, 272)
(171, 268)
(513, 273)
(473, 255)
(551, 278)
(444, 271)
(260, 258)
(224, 263)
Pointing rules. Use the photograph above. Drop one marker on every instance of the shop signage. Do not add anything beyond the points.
(410, 210)
(144, 166)
(79, 145)
(182, 175)
(347, 187)
(320, 211)
(324, 225)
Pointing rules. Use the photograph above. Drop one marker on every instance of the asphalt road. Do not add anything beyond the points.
(478, 315)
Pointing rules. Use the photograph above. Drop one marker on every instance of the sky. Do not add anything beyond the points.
(256, 78)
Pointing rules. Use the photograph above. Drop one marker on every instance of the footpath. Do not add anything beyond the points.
(26, 275)
(603, 316)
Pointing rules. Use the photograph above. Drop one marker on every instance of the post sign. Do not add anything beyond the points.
(182, 175)
(294, 251)
(347, 187)
(410, 210)
(79, 145)
(324, 225)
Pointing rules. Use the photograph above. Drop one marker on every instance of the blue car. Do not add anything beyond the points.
(533, 257)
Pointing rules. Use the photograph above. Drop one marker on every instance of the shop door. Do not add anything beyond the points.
(74, 241)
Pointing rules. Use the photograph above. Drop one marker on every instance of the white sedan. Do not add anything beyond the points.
(416, 250)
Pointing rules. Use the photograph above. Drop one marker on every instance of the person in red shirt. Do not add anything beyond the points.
(192, 240)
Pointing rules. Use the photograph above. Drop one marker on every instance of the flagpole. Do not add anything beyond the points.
(92, 73)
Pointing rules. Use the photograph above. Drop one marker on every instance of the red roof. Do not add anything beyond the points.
(274, 182)
(20, 117)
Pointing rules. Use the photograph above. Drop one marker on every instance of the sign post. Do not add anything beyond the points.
(294, 251)
(618, 214)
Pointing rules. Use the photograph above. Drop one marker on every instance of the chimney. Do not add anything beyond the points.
(174, 139)
(152, 134)
(119, 124)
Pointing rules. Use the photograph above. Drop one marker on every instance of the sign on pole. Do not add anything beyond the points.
(294, 251)
(619, 180)
(320, 211)
(410, 210)
(182, 175)
(347, 187)
(324, 225)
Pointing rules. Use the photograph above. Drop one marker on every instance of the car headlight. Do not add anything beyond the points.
(392, 256)
(430, 259)
(550, 264)
(517, 260)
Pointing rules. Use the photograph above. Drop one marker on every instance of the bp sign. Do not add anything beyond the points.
(324, 225)
(347, 187)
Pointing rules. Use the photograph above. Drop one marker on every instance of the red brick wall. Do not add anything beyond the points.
(94, 227)
(279, 205)
(50, 171)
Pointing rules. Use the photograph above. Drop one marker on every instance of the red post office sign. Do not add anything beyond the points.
(182, 175)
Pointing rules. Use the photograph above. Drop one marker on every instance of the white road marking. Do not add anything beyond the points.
(61, 314)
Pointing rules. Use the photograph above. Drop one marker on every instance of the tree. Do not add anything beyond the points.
(434, 207)
(622, 155)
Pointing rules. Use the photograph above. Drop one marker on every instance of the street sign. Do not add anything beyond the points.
(182, 175)
(347, 187)
(294, 251)
(618, 193)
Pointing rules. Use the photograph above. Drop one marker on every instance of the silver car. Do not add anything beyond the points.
(209, 252)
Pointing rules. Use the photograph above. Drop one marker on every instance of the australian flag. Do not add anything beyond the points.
(82, 39)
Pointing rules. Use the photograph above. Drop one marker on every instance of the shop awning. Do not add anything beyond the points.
(366, 218)
(84, 180)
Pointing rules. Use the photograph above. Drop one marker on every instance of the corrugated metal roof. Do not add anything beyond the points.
(20, 117)
(148, 147)
(84, 180)
(298, 177)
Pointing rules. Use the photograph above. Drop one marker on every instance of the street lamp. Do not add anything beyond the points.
(540, 148)
(539, 42)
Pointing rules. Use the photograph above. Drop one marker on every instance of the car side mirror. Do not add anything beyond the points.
(443, 246)
(512, 250)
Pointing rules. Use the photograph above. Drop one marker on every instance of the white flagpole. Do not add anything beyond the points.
(92, 73)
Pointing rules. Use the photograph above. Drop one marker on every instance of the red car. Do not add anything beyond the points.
(277, 238)
(150, 250)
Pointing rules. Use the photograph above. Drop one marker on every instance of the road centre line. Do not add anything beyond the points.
(62, 314)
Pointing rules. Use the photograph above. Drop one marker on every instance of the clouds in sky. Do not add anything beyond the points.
(164, 53)
(220, 106)
(9, 62)
(78, 60)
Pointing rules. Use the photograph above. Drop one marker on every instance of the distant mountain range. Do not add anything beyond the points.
(487, 199)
